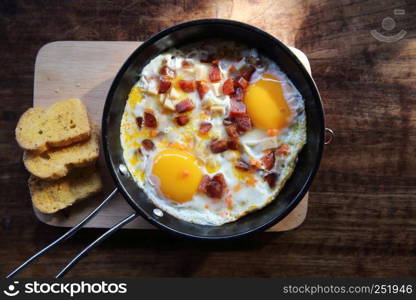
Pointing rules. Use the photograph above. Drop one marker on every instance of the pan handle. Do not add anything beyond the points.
(71, 232)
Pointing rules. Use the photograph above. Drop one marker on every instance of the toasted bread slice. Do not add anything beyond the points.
(64, 123)
(51, 196)
(57, 162)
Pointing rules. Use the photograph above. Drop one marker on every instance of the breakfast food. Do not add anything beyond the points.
(212, 131)
(50, 196)
(57, 162)
(62, 124)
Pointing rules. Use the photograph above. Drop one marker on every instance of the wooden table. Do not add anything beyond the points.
(361, 219)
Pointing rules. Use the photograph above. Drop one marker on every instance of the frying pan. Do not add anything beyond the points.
(295, 188)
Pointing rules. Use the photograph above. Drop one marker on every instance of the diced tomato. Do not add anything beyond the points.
(182, 120)
(139, 121)
(268, 160)
(204, 127)
(214, 73)
(202, 88)
(184, 106)
(148, 144)
(187, 86)
(271, 179)
(149, 120)
(247, 71)
(237, 108)
(218, 146)
(241, 82)
(164, 84)
(166, 71)
(228, 86)
(243, 123)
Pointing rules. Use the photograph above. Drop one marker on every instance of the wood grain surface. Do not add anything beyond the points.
(362, 205)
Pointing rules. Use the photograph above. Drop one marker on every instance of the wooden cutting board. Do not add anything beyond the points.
(85, 70)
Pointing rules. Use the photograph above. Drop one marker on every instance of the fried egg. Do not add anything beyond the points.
(212, 131)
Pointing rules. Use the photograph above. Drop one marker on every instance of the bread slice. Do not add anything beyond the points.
(51, 196)
(64, 123)
(57, 162)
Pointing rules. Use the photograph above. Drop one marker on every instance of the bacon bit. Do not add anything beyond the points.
(231, 130)
(271, 179)
(184, 106)
(243, 123)
(187, 64)
(216, 186)
(228, 87)
(237, 108)
(187, 86)
(164, 85)
(255, 163)
(185, 173)
(233, 144)
(148, 144)
(247, 71)
(139, 121)
(238, 94)
(204, 183)
(214, 73)
(204, 127)
(229, 201)
(283, 150)
(218, 146)
(241, 82)
(168, 72)
(272, 132)
(268, 160)
(150, 120)
(202, 88)
(182, 120)
(243, 166)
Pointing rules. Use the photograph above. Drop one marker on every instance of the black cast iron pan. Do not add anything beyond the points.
(176, 36)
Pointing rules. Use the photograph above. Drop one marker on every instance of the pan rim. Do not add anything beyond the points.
(111, 165)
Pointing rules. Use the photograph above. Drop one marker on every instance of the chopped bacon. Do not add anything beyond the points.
(148, 144)
(238, 94)
(231, 130)
(283, 150)
(166, 71)
(243, 123)
(164, 85)
(271, 179)
(218, 146)
(214, 73)
(184, 106)
(139, 121)
(237, 108)
(242, 82)
(216, 186)
(204, 182)
(150, 120)
(182, 120)
(247, 71)
(268, 160)
(204, 127)
(187, 64)
(244, 166)
(228, 87)
(202, 88)
(187, 86)
(233, 144)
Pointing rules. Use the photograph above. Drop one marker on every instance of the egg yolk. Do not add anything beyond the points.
(178, 173)
(266, 105)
